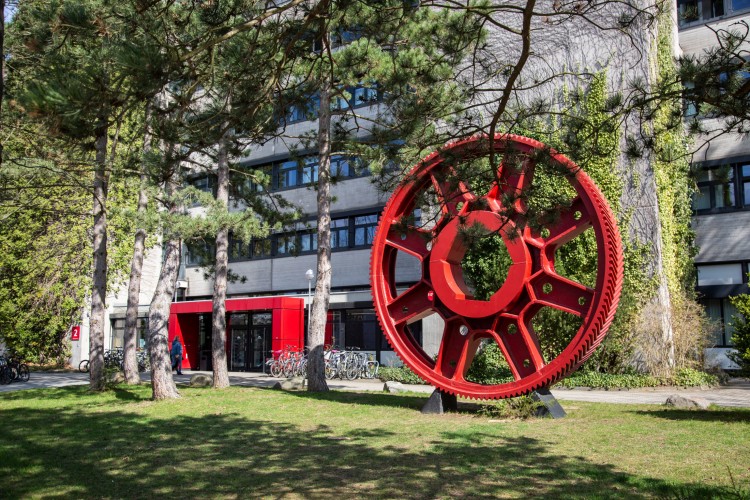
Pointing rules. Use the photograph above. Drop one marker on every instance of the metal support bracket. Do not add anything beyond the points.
(440, 402)
(551, 406)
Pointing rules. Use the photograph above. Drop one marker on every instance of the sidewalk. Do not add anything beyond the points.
(735, 394)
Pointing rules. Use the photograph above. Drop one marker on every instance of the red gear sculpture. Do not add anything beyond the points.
(531, 284)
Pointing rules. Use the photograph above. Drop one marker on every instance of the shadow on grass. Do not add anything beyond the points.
(415, 401)
(710, 415)
(73, 451)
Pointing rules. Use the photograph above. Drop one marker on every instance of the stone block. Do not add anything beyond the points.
(201, 380)
(292, 384)
(678, 401)
(394, 387)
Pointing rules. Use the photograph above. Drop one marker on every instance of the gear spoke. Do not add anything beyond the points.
(457, 350)
(561, 293)
(452, 194)
(514, 179)
(411, 240)
(414, 302)
(573, 221)
(520, 346)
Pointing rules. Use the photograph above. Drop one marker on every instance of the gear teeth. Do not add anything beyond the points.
(596, 322)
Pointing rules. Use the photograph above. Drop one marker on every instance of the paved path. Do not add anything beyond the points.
(735, 394)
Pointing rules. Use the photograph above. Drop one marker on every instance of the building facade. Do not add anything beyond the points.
(721, 203)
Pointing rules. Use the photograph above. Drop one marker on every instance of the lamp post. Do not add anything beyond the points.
(309, 275)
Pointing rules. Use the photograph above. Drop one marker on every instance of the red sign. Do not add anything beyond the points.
(75, 333)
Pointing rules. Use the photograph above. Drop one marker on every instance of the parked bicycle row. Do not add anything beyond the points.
(12, 370)
(115, 358)
(343, 364)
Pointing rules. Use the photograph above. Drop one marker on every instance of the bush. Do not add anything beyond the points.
(402, 374)
(692, 333)
(741, 334)
(685, 377)
(609, 381)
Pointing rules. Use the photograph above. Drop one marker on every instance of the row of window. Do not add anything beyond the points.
(722, 188)
(289, 173)
(356, 231)
(695, 12)
(358, 97)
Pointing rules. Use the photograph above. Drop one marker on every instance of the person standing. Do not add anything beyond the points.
(176, 354)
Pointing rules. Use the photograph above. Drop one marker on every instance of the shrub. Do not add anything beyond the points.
(688, 377)
(402, 374)
(685, 377)
(660, 356)
(741, 334)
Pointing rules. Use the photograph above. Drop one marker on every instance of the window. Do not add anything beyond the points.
(720, 274)
(339, 233)
(308, 241)
(117, 340)
(310, 170)
(716, 189)
(694, 12)
(722, 311)
(286, 244)
(364, 229)
(199, 253)
(238, 250)
(286, 174)
(261, 248)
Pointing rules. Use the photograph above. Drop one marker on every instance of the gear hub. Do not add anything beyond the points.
(532, 283)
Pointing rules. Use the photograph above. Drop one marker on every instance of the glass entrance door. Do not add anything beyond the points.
(239, 351)
(239, 346)
(261, 348)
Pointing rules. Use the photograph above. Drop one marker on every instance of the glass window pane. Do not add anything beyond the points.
(713, 311)
(261, 248)
(720, 274)
(729, 312)
(688, 11)
(310, 171)
(724, 195)
(702, 199)
(745, 168)
(746, 193)
(717, 8)
(740, 4)
(725, 173)
(287, 176)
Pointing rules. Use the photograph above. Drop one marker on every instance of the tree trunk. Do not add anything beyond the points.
(219, 320)
(162, 383)
(99, 288)
(136, 267)
(2, 67)
(316, 380)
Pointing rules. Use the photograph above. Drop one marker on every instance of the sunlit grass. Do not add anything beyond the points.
(251, 442)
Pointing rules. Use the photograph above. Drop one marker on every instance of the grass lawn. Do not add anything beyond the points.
(250, 442)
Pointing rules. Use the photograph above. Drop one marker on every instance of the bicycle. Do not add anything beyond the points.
(5, 374)
(83, 366)
(14, 370)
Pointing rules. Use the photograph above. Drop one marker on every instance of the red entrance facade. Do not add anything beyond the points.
(282, 322)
